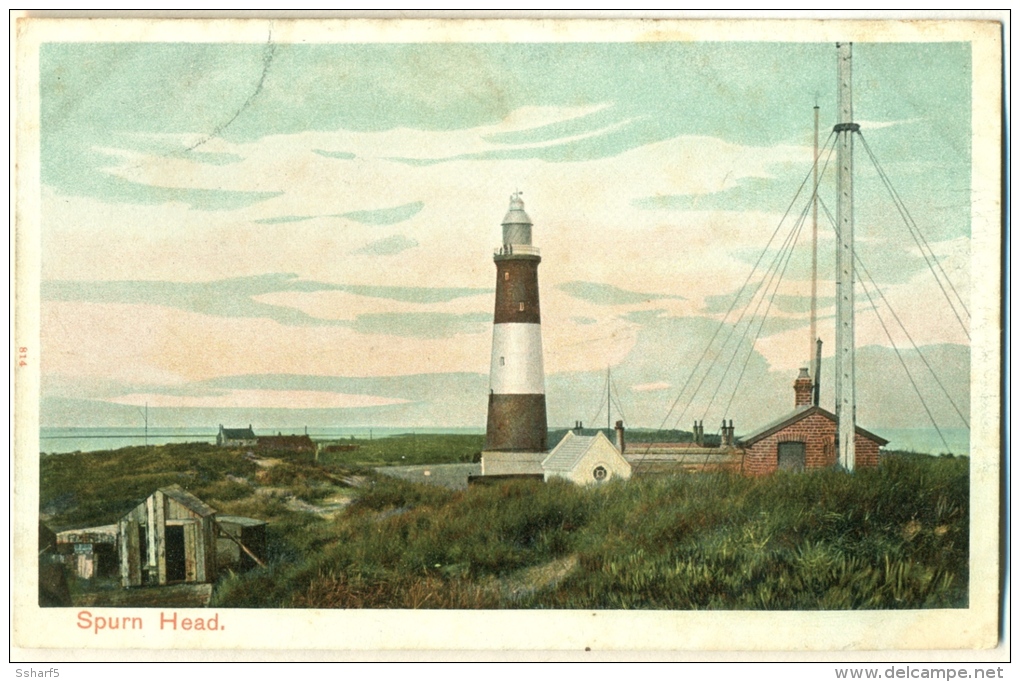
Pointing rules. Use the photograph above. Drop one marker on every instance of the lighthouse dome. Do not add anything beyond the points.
(515, 214)
(516, 223)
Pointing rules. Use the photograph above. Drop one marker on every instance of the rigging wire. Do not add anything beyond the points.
(785, 252)
(903, 328)
(903, 362)
(761, 325)
(733, 304)
(619, 407)
(736, 350)
(919, 240)
(603, 393)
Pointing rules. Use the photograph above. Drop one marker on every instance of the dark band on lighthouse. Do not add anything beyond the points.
(517, 412)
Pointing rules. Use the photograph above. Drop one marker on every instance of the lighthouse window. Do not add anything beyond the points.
(522, 307)
(600, 473)
(502, 361)
(506, 275)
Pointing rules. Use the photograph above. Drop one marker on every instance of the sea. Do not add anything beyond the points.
(58, 440)
(54, 440)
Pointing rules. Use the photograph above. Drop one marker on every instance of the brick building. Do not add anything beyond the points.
(803, 439)
(281, 443)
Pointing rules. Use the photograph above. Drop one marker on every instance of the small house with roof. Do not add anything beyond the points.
(586, 460)
(236, 438)
(803, 439)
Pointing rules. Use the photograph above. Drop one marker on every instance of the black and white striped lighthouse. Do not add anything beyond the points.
(517, 417)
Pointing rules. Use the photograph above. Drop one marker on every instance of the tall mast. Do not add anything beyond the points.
(814, 256)
(844, 380)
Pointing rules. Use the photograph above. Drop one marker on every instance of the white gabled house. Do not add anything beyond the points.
(586, 460)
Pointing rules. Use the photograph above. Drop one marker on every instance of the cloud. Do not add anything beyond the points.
(347, 156)
(413, 294)
(223, 298)
(387, 246)
(654, 386)
(385, 216)
(258, 399)
(783, 303)
(422, 325)
(744, 194)
(284, 219)
(608, 294)
(237, 298)
(215, 158)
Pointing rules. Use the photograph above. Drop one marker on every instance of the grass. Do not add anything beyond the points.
(891, 538)
(409, 449)
(95, 488)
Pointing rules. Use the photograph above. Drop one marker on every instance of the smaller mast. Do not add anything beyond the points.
(609, 404)
(817, 378)
(814, 255)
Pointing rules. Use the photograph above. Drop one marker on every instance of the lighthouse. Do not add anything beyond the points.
(516, 429)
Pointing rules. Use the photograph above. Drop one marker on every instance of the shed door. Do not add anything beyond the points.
(791, 457)
(175, 553)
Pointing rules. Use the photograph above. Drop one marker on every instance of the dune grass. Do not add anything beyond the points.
(896, 537)
(409, 449)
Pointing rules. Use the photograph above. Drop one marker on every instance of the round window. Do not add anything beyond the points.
(600, 473)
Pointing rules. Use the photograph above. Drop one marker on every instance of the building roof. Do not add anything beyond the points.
(183, 497)
(286, 441)
(794, 417)
(245, 521)
(238, 434)
(571, 449)
(97, 534)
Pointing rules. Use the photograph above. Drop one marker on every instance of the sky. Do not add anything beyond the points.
(289, 234)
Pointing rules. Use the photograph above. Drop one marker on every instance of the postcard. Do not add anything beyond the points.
(507, 335)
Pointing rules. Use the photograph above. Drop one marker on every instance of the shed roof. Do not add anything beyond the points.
(180, 495)
(107, 533)
(571, 449)
(794, 417)
(245, 521)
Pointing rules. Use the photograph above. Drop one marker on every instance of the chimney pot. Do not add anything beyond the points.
(803, 389)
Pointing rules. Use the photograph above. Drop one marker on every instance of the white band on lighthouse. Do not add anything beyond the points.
(516, 366)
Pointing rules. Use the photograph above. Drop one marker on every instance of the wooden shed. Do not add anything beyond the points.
(168, 538)
(90, 552)
(241, 542)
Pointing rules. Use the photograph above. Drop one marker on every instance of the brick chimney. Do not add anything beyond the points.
(726, 435)
(620, 443)
(802, 389)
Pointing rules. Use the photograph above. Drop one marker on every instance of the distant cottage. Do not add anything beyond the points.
(236, 438)
(803, 439)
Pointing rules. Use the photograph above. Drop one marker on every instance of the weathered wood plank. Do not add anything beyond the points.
(159, 537)
(191, 552)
